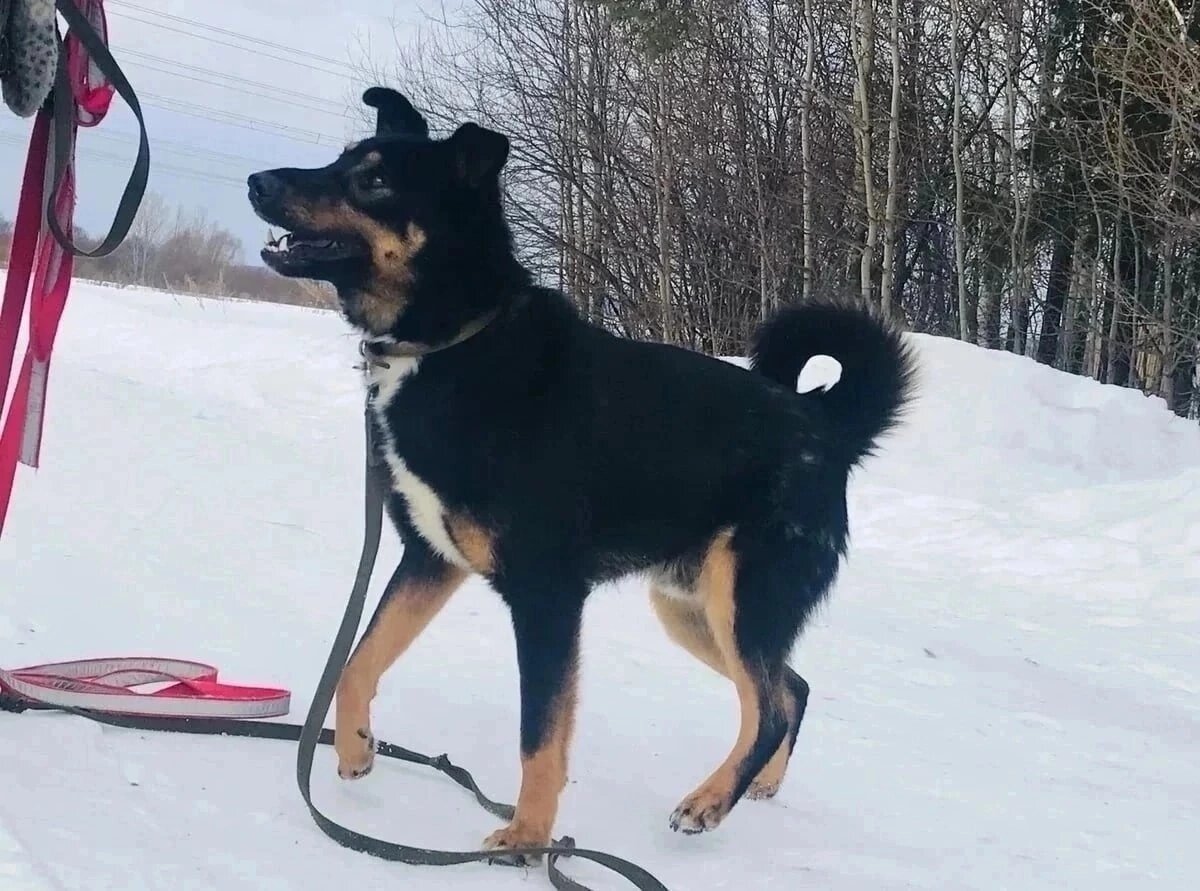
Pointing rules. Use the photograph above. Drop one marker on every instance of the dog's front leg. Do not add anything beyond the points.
(547, 637)
(418, 589)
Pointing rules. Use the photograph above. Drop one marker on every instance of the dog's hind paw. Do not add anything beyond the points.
(760, 791)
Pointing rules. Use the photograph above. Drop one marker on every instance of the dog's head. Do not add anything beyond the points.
(368, 222)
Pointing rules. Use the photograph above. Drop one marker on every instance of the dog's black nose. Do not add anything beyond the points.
(264, 186)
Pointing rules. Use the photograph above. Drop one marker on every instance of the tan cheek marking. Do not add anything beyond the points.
(323, 216)
(385, 297)
(393, 252)
(380, 312)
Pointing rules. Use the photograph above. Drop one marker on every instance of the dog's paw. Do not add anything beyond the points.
(760, 791)
(515, 836)
(356, 754)
(702, 811)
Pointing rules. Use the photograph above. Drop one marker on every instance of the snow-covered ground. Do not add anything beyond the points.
(1005, 683)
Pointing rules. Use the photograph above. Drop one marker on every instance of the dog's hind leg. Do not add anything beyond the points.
(417, 591)
(755, 590)
(770, 778)
(547, 638)
(686, 624)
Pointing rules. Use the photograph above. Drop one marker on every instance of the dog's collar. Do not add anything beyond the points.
(376, 353)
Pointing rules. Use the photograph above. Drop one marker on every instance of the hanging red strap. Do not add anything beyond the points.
(42, 253)
(33, 255)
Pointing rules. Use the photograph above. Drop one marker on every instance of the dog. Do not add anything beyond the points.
(530, 447)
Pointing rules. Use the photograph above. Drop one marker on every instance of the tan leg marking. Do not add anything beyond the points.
(543, 777)
(770, 778)
(686, 623)
(407, 611)
(473, 541)
(711, 801)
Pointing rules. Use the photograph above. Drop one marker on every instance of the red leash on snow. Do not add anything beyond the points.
(42, 247)
(107, 685)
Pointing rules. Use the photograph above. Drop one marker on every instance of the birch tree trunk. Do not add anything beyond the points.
(863, 16)
(960, 266)
(887, 274)
(663, 197)
(810, 47)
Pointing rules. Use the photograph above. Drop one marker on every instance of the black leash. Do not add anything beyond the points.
(312, 733)
(63, 109)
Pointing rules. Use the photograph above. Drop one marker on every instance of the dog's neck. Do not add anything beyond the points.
(377, 351)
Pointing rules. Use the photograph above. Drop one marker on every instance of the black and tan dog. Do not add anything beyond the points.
(547, 455)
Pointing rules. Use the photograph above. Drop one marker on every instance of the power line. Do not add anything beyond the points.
(234, 119)
(125, 51)
(172, 145)
(255, 40)
(257, 52)
(114, 160)
(307, 105)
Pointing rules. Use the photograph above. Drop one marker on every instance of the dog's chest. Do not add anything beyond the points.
(426, 511)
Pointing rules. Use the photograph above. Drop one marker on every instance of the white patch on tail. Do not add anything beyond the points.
(819, 371)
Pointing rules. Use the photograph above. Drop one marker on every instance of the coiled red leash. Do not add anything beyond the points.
(42, 248)
(109, 685)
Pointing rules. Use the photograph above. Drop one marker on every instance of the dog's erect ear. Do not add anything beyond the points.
(479, 153)
(396, 114)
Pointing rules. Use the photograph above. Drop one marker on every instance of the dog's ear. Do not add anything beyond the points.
(396, 114)
(479, 153)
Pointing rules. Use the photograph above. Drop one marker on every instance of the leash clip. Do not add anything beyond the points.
(369, 361)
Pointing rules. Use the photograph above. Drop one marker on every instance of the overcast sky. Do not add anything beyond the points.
(293, 99)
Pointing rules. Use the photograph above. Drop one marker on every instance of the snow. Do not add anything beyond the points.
(1004, 682)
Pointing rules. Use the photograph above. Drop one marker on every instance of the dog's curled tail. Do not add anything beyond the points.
(878, 369)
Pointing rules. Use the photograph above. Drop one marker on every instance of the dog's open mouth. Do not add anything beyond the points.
(297, 252)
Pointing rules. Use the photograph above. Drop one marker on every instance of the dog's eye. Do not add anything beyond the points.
(374, 182)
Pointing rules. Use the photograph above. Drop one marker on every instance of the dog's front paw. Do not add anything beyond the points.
(356, 753)
(516, 835)
(702, 811)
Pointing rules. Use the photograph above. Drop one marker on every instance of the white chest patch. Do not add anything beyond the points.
(425, 510)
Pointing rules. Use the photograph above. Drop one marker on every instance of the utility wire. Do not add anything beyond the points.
(316, 100)
(177, 147)
(115, 160)
(307, 104)
(234, 119)
(253, 39)
(258, 52)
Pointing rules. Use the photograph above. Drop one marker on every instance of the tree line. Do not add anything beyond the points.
(1021, 174)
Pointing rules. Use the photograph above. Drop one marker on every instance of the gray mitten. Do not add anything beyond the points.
(29, 58)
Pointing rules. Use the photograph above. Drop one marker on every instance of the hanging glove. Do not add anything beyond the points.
(29, 49)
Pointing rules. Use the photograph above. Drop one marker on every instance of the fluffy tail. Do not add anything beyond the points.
(878, 370)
